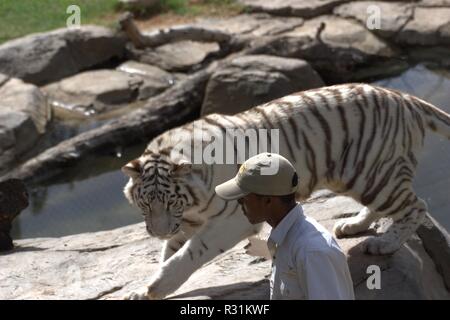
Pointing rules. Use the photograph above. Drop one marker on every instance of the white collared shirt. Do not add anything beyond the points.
(307, 261)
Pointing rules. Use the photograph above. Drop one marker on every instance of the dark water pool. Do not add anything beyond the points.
(93, 199)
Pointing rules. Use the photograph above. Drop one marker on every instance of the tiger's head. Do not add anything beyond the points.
(160, 189)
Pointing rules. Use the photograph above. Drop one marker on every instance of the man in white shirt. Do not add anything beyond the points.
(307, 262)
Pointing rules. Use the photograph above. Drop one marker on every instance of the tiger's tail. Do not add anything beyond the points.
(435, 119)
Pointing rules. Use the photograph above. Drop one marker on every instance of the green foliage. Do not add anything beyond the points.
(21, 17)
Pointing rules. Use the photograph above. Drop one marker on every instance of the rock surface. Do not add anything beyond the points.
(177, 56)
(94, 92)
(110, 264)
(393, 15)
(257, 24)
(337, 48)
(24, 115)
(252, 80)
(46, 57)
(155, 80)
(299, 8)
(430, 26)
(100, 91)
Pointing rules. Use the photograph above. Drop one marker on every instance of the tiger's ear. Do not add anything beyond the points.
(182, 168)
(132, 169)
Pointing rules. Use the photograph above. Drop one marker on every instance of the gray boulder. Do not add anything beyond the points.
(252, 80)
(16, 96)
(24, 115)
(256, 24)
(430, 26)
(299, 8)
(95, 92)
(342, 34)
(414, 23)
(393, 15)
(47, 57)
(434, 3)
(155, 80)
(177, 56)
(100, 91)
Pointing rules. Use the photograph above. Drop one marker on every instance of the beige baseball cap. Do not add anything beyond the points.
(264, 174)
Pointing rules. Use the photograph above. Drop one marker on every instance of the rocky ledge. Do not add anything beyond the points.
(110, 264)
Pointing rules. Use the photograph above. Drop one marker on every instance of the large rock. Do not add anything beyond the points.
(47, 57)
(177, 56)
(111, 264)
(434, 3)
(155, 80)
(337, 48)
(252, 80)
(258, 24)
(24, 115)
(299, 8)
(416, 23)
(393, 15)
(430, 26)
(341, 33)
(99, 91)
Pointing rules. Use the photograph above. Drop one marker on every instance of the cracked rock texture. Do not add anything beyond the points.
(46, 57)
(24, 115)
(254, 79)
(111, 264)
(299, 8)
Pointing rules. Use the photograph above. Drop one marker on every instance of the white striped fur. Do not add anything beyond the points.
(355, 139)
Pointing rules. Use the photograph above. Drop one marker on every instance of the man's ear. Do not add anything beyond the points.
(132, 169)
(182, 168)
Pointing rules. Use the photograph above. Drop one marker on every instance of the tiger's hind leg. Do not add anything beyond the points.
(405, 223)
(357, 224)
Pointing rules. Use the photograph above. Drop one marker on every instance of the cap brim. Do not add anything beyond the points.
(230, 190)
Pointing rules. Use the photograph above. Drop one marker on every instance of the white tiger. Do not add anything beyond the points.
(355, 139)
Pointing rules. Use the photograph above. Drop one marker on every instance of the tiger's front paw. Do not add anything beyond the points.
(346, 227)
(144, 294)
(159, 288)
(141, 295)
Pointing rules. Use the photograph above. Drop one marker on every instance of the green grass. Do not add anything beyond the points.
(191, 8)
(22, 17)
(199, 7)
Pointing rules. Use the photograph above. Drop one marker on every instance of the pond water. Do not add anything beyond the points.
(93, 199)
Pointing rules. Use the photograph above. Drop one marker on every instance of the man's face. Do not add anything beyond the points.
(254, 208)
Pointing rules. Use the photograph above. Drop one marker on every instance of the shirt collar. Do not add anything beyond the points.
(278, 233)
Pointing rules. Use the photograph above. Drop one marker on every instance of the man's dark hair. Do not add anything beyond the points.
(289, 198)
